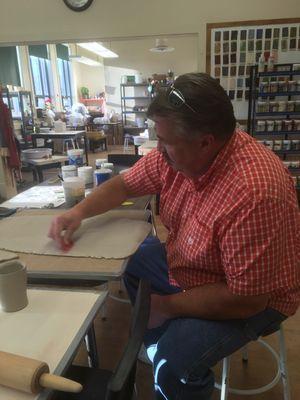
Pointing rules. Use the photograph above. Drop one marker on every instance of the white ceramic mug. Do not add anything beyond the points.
(13, 286)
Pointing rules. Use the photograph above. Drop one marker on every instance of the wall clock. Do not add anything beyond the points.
(78, 5)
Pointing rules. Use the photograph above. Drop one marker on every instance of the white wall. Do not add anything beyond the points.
(90, 77)
(44, 20)
(135, 54)
(135, 57)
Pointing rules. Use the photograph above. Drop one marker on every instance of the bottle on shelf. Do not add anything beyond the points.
(261, 63)
(271, 61)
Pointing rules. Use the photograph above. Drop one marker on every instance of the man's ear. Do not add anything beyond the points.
(206, 140)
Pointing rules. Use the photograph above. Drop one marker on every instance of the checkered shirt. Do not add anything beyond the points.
(238, 223)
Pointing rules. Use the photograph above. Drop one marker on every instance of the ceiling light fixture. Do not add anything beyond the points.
(98, 49)
(85, 60)
(161, 46)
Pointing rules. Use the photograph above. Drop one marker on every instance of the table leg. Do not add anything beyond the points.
(86, 149)
(91, 346)
(115, 127)
(40, 174)
(33, 141)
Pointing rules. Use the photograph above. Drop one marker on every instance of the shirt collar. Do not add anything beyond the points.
(218, 163)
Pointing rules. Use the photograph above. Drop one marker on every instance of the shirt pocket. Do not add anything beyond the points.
(196, 245)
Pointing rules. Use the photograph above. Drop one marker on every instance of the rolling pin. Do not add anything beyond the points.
(31, 376)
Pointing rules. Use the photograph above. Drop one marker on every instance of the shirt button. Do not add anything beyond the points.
(190, 240)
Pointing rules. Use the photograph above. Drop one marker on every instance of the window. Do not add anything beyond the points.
(64, 71)
(41, 73)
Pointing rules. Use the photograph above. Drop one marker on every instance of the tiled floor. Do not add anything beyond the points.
(112, 335)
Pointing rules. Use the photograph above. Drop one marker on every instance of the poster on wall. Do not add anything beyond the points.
(234, 49)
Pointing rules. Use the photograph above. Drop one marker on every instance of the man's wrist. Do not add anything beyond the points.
(168, 306)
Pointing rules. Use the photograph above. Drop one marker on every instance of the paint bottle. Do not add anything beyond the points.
(261, 63)
(271, 61)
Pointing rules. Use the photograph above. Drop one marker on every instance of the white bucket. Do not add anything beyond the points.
(74, 190)
(108, 165)
(68, 171)
(86, 173)
(75, 157)
(100, 161)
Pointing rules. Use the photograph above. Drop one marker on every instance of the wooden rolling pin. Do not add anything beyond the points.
(31, 376)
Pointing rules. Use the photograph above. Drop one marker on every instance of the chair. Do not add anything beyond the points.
(96, 139)
(281, 373)
(124, 160)
(127, 140)
(118, 385)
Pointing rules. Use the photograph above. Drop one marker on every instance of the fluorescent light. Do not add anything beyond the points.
(98, 49)
(85, 60)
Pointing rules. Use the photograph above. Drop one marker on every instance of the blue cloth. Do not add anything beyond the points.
(185, 349)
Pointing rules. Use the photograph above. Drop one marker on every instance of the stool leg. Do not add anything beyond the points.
(283, 366)
(225, 378)
(245, 354)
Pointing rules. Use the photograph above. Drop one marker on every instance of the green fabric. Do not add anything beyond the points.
(39, 50)
(9, 67)
(62, 52)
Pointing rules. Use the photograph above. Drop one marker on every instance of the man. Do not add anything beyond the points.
(229, 269)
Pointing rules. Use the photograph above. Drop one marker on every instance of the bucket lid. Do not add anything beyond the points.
(75, 152)
(87, 168)
(103, 171)
(68, 167)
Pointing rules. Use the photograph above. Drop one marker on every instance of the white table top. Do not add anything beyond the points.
(49, 329)
(44, 161)
(59, 133)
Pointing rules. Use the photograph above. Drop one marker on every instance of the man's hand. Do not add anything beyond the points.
(157, 315)
(63, 227)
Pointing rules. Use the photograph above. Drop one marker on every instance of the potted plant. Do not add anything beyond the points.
(84, 92)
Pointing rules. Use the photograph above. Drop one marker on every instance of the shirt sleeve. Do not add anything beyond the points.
(260, 247)
(145, 177)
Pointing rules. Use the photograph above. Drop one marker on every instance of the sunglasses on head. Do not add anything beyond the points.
(177, 100)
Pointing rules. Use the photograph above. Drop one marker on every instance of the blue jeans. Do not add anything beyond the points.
(183, 350)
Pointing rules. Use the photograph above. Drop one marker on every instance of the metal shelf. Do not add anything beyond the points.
(279, 73)
(297, 170)
(291, 152)
(134, 84)
(136, 98)
(274, 94)
(134, 112)
(276, 133)
(269, 114)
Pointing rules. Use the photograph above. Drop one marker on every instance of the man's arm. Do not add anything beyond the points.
(211, 301)
(109, 195)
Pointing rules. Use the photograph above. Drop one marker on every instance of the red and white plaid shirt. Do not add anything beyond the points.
(238, 223)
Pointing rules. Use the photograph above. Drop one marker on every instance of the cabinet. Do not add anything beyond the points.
(274, 113)
(135, 100)
(20, 105)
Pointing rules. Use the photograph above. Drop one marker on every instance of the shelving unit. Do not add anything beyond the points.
(21, 108)
(274, 115)
(139, 97)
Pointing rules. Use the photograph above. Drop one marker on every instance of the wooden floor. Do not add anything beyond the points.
(112, 334)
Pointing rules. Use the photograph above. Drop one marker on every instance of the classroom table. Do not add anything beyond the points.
(60, 317)
(78, 271)
(63, 135)
(39, 164)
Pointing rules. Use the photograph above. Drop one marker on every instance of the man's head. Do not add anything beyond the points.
(194, 119)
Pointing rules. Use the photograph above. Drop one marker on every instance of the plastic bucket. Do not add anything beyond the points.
(75, 157)
(86, 173)
(74, 190)
(102, 175)
(68, 171)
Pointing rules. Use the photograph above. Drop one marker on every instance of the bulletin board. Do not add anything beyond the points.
(231, 49)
